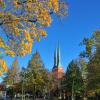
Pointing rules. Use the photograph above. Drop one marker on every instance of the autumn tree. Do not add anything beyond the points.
(12, 72)
(23, 21)
(36, 76)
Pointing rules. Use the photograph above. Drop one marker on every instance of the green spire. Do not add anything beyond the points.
(58, 56)
(57, 61)
(55, 57)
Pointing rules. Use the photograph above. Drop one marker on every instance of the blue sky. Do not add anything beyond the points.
(82, 20)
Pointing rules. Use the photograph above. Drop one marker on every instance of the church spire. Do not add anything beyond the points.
(57, 61)
(55, 58)
(58, 57)
(57, 68)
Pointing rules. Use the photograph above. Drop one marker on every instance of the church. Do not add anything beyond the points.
(57, 69)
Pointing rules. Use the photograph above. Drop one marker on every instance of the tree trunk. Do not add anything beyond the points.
(84, 98)
(96, 94)
(34, 93)
(68, 97)
(22, 91)
(73, 96)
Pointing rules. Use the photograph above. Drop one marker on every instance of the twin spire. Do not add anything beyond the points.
(57, 62)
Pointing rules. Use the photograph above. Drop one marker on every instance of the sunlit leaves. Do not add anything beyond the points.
(23, 22)
(3, 66)
(92, 53)
(92, 43)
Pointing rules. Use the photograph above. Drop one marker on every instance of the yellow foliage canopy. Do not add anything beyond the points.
(23, 22)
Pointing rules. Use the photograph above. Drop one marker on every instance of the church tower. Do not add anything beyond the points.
(57, 68)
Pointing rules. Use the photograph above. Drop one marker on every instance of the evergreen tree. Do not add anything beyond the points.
(73, 81)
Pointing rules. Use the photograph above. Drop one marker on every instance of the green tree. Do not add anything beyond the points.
(94, 73)
(83, 68)
(36, 78)
(73, 81)
(92, 55)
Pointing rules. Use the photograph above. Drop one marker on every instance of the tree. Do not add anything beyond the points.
(12, 72)
(23, 21)
(92, 53)
(94, 74)
(84, 70)
(36, 75)
(73, 81)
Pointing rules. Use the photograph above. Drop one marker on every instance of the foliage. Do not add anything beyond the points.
(10, 78)
(94, 73)
(83, 67)
(84, 71)
(3, 66)
(36, 77)
(23, 21)
(73, 81)
(91, 44)
(92, 50)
